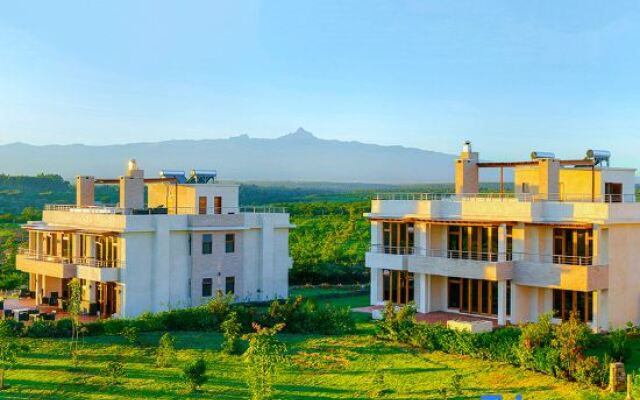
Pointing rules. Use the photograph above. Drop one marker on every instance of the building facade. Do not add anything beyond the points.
(177, 248)
(564, 241)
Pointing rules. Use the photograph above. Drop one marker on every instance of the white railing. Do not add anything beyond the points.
(482, 256)
(88, 261)
(110, 209)
(524, 197)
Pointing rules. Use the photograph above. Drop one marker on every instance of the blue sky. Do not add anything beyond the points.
(510, 75)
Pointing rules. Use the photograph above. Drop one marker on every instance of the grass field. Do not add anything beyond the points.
(349, 367)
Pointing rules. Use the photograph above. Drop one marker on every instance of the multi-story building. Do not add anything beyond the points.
(564, 240)
(188, 240)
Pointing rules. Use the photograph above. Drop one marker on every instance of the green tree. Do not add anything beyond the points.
(194, 372)
(264, 355)
(165, 353)
(231, 330)
(74, 312)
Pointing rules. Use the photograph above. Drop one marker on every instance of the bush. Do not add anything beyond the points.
(590, 370)
(131, 334)
(11, 328)
(618, 346)
(397, 325)
(114, 370)
(194, 373)
(165, 353)
(231, 330)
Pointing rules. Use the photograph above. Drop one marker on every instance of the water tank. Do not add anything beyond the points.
(535, 155)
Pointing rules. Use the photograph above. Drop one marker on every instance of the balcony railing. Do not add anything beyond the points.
(555, 259)
(482, 256)
(113, 209)
(88, 261)
(523, 197)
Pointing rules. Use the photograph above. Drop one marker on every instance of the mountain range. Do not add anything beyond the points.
(297, 156)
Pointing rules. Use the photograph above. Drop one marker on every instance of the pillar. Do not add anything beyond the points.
(421, 292)
(376, 286)
(85, 191)
(502, 242)
(39, 279)
(502, 302)
(515, 317)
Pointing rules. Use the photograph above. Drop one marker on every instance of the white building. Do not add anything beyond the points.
(189, 240)
(563, 241)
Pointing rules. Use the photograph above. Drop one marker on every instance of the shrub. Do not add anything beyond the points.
(11, 328)
(194, 373)
(131, 334)
(618, 346)
(231, 330)
(590, 370)
(397, 325)
(113, 371)
(44, 329)
(571, 338)
(165, 353)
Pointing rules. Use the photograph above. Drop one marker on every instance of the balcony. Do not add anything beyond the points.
(54, 266)
(560, 272)
(387, 257)
(462, 264)
(64, 267)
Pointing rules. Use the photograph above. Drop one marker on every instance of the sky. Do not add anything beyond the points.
(512, 76)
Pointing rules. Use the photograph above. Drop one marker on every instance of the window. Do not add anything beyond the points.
(189, 244)
(217, 205)
(566, 302)
(202, 205)
(613, 192)
(230, 284)
(207, 243)
(397, 238)
(207, 287)
(229, 243)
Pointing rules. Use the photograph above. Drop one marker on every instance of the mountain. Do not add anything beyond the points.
(298, 156)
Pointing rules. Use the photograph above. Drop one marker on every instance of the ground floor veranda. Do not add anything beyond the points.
(502, 302)
(97, 299)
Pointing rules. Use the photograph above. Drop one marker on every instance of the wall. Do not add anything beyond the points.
(624, 280)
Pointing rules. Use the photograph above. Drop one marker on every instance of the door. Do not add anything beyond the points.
(202, 205)
(217, 205)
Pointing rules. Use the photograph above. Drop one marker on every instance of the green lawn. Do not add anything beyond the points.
(349, 367)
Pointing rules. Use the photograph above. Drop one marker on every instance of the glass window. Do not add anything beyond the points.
(229, 243)
(207, 243)
(207, 287)
(230, 284)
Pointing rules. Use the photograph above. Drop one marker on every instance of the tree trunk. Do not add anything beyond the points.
(1, 379)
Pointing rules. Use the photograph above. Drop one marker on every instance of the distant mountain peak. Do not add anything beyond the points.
(299, 134)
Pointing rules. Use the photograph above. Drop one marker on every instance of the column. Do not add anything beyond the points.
(421, 291)
(502, 243)
(514, 303)
(428, 307)
(502, 302)
(38, 289)
(376, 286)
(595, 321)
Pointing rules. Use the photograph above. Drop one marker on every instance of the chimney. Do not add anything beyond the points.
(467, 179)
(548, 178)
(85, 186)
(132, 187)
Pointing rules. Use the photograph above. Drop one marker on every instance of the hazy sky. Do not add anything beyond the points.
(512, 76)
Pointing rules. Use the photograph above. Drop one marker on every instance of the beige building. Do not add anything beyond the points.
(186, 241)
(565, 240)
